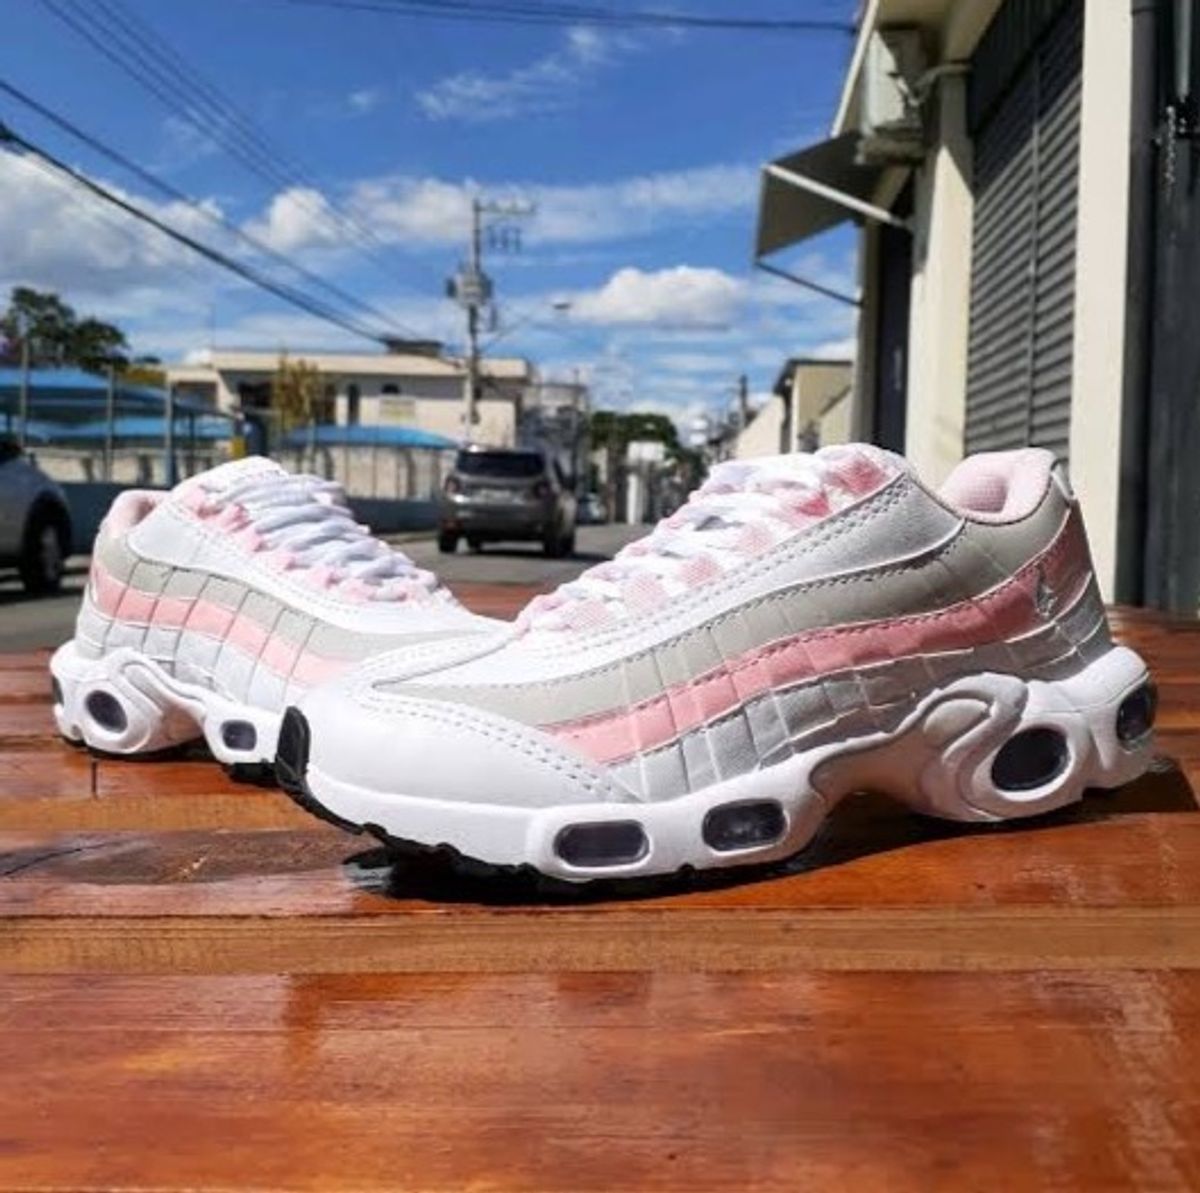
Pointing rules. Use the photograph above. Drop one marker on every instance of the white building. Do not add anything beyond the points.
(418, 387)
(808, 408)
(1026, 184)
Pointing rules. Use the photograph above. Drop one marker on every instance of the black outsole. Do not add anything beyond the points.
(291, 763)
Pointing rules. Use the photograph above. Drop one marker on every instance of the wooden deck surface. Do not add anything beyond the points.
(201, 987)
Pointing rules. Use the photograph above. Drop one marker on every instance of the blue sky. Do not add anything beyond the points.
(640, 150)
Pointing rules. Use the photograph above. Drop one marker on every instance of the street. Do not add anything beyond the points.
(28, 623)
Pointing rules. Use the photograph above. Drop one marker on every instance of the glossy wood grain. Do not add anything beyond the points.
(596, 1082)
(202, 987)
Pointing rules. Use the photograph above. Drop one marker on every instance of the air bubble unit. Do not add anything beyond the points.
(1135, 716)
(106, 711)
(746, 825)
(239, 735)
(1031, 759)
(602, 843)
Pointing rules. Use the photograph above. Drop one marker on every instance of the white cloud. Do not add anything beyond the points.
(55, 235)
(641, 204)
(365, 100)
(843, 349)
(183, 145)
(298, 218)
(698, 363)
(415, 213)
(681, 296)
(548, 84)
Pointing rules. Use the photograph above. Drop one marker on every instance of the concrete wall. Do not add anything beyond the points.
(382, 472)
(815, 384)
(763, 435)
(1100, 292)
(836, 425)
(943, 207)
(433, 404)
(143, 467)
(496, 420)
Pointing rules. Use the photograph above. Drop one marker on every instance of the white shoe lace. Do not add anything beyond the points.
(308, 518)
(743, 509)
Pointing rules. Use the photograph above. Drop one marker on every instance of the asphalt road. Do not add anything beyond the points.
(27, 623)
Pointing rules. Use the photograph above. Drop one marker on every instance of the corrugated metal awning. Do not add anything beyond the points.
(814, 190)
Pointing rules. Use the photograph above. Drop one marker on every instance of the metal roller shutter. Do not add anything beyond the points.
(1026, 133)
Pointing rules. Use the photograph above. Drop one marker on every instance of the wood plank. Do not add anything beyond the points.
(30, 684)
(1120, 891)
(25, 721)
(867, 1081)
(1119, 938)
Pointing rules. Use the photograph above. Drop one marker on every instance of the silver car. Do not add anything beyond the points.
(503, 493)
(35, 525)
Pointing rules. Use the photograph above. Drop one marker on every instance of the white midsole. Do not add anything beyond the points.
(159, 711)
(939, 761)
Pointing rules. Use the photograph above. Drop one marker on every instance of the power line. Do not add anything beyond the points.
(166, 189)
(9, 137)
(154, 64)
(519, 12)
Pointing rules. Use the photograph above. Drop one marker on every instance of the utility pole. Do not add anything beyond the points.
(169, 437)
(23, 430)
(110, 408)
(479, 292)
(743, 392)
(472, 289)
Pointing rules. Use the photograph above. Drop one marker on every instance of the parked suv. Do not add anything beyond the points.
(35, 527)
(500, 493)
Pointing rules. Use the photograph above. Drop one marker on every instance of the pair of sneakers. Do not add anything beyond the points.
(804, 627)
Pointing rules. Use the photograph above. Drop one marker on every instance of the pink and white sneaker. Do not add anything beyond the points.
(211, 608)
(805, 627)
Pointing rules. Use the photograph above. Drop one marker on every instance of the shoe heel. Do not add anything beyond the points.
(1041, 748)
(101, 703)
(996, 747)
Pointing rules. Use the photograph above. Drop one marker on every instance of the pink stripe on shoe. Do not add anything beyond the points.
(1006, 611)
(283, 658)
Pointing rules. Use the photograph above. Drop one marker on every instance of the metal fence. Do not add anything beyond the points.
(379, 470)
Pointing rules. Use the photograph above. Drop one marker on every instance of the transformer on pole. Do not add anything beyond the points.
(472, 289)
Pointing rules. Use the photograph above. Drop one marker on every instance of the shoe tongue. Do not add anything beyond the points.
(224, 476)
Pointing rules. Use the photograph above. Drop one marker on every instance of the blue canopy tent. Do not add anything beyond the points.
(328, 435)
(68, 395)
(134, 427)
(71, 407)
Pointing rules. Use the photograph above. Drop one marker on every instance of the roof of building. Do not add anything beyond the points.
(783, 381)
(73, 392)
(146, 427)
(377, 364)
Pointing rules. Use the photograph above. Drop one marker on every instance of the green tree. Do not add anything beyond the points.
(298, 393)
(56, 335)
(94, 345)
(615, 430)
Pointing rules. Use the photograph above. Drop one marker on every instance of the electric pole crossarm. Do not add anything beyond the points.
(472, 289)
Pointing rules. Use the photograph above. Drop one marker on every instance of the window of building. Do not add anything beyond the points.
(353, 404)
